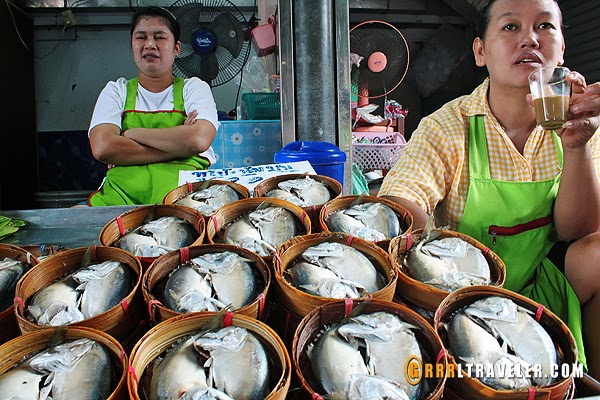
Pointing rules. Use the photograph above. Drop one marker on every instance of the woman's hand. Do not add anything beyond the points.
(191, 118)
(584, 113)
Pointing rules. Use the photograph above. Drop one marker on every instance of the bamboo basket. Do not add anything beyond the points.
(42, 251)
(334, 187)
(301, 303)
(162, 267)
(13, 352)
(232, 211)
(427, 296)
(472, 389)
(332, 313)
(162, 336)
(117, 321)
(181, 191)
(8, 322)
(122, 224)
(341, 203)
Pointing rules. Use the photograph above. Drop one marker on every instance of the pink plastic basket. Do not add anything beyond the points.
(376, 150)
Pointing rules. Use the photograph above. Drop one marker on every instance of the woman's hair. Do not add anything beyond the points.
(157, 12)
(483, 20)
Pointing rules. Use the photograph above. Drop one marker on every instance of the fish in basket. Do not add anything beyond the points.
(371, 218)
(150, 231)
(310, 192)
(363, 350)
(70, 363)
(92, 287)
(258, 224)
(434, 262)
(207, 278)
(15, 261)
(207, 196)
(506, 346)
(209, 356)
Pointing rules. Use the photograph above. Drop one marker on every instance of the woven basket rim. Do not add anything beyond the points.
(405, 217)
(169, 197)
(372, 305)
(8, 249)
(405, 280)
(65, 265)
(128, 217)
(465, 296)
(172, 262)
(196, 320)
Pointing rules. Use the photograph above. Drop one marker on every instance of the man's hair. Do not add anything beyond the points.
(157, 12)
(483, 20)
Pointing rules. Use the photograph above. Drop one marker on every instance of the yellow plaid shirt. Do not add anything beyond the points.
(433, 171)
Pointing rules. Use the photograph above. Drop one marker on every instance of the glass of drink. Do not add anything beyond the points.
(551, 93)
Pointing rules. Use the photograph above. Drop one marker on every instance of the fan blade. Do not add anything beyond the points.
(186, 50)
(204, 67)
(209, 68)
(188, 16)
(229, 32)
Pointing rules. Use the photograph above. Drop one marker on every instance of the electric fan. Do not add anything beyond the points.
(212, 40)
(383, 58)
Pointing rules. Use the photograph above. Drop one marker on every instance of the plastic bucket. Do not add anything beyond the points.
(326, 158)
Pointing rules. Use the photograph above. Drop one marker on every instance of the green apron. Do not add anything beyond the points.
(514, 219)
(146, 184)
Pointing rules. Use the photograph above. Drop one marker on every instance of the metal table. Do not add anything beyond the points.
(71, 227)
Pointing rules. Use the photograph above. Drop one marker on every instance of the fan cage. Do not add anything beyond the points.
(221, 66)
(361, 40)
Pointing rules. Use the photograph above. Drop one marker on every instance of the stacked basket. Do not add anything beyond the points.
(294, 304)
(427, 296)
(119, 321)
(122, 224)
(8, 323)
(165, 264)
(334, 187)
(467, 388)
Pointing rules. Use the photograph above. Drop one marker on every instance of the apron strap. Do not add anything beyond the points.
(478, 166)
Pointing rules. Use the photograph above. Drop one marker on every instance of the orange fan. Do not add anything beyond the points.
(384, 59)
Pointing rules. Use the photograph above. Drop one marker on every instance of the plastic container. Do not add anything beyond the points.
(262, 105)
(326, 158)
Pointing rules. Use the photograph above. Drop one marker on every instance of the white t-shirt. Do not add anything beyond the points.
(196, 96)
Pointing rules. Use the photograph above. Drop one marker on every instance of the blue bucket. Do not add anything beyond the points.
(326, 158)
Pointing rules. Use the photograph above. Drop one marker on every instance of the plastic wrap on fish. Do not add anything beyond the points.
(209, 200)
(228, 363)
(363, 358)
(502, 336)
(211, 282)
(84, 293)
(79, 369)
(158, 237)
(369, 221)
